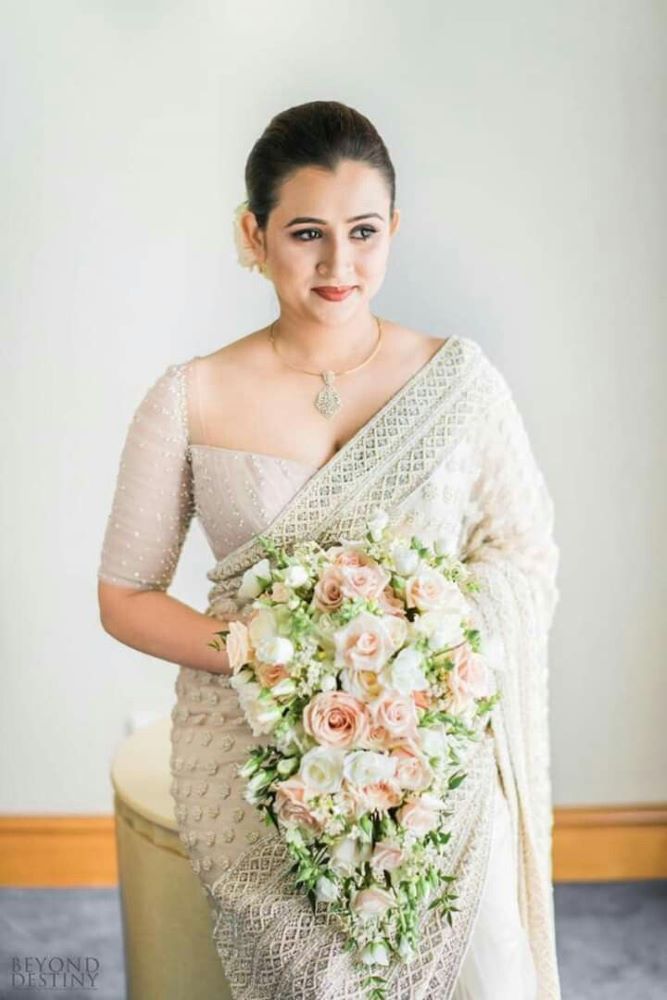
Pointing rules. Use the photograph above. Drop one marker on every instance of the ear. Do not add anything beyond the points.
(395, 222)
(253, 236)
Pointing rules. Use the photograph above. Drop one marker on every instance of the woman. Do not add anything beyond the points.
(300, 430)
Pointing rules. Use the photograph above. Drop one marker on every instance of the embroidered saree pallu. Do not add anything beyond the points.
(447, 458)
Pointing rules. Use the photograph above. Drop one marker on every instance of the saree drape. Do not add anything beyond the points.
(447, 457)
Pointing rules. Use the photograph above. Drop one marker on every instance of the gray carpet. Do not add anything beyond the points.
(612, 940)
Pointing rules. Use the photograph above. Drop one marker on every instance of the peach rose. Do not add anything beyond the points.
(363, 581)
(291, 804)
(372, 902)
(396, 714)
(237, 645)
(336, 719)
(269, 674)
(387, 855)
(470, 677)
(328, 594)
(418, 816)
(363, 644)
(413, 770)
(349, 555)
(390, 603)
(429, 590)
(422, 699)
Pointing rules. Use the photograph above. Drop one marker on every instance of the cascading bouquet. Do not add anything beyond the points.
(360, 664)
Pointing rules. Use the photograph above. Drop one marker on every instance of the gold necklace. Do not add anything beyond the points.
(328, 400)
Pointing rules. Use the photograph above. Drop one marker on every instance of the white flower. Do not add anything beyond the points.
(365, 767)
(250, 585)
(434, 742)
(296, 575)
(284, 687)
(406, 560)
(442, 628)
(328, 683)
(347, 854)
(404, 673)
(262, 713)
(275, 649)
(405, 950)
(377, 523)
(322, 769)
(375, 953)
(326, 891)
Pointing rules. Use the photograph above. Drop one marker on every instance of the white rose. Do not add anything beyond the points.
(404, 673)
(429, 590)
(406, 560)
(326, 891)
(348, 853)
(322, 769)
(275, 649)
(250, 584)
(284, 687)
(262, 625)
(296, 576)
(365, 767)
(434, 742)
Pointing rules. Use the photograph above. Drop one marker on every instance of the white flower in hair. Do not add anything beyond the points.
(244, 250)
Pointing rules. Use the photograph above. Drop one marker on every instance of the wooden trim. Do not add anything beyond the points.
(604, 843)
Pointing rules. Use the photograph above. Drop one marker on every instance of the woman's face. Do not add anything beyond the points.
(328, 229)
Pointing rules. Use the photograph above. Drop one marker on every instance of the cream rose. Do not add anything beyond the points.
(335, 719)
(363, 644)
(322, 769)
(269, 674)
(362, 684)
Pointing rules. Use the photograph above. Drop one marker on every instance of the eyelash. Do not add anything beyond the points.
(300, 232)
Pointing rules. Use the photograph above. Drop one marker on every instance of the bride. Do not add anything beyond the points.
(299, 430)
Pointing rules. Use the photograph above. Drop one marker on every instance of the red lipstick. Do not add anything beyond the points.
(333, 293)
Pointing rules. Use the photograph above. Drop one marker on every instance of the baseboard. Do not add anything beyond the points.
(597, 844)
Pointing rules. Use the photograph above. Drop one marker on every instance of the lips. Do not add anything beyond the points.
(334, 294)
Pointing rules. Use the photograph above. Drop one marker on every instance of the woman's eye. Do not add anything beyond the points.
(306, 233)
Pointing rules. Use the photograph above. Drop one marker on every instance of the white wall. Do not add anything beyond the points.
(530, 147)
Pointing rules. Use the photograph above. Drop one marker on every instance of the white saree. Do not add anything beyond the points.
(447, 456)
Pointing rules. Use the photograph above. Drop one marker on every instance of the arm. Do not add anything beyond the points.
(153, 506)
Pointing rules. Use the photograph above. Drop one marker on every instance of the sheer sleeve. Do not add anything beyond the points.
(153, 503)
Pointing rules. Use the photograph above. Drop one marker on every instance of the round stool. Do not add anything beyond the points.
(166, 914)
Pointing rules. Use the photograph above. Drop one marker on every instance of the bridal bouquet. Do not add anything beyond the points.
(359, 664)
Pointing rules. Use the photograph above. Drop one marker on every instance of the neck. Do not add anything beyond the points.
(319, 346)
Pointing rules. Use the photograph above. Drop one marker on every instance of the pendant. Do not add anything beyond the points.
(328, 400)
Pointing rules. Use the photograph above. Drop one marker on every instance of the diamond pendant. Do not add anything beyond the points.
(328, 400)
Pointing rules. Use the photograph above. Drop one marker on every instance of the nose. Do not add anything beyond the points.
(335, 262)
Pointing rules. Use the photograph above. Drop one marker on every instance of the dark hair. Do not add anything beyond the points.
(319, 133)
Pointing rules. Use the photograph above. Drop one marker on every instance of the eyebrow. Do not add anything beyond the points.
(322, 222)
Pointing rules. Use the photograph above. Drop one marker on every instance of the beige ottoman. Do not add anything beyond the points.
(167, 919)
